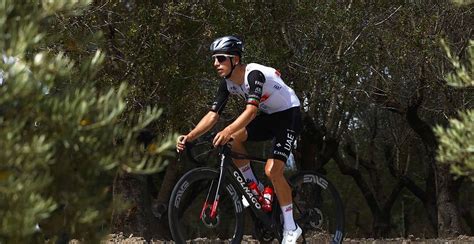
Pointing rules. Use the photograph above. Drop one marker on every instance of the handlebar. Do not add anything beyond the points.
(222, 149)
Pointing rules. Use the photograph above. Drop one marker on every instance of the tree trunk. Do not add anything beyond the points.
(448, 216)
(137, 218)
(449, 224)
(160, 204)
(310, 143)
(467, 216)
(430, 202)
(381, 224)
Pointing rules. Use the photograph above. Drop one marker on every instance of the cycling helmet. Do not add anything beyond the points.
(228, 45)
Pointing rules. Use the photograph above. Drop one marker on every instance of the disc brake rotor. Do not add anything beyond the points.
(208, 221)
(317, 217)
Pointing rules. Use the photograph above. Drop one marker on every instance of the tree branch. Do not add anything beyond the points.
(357, 176)
(410, 185)
(416, 123)
(393, 196)
(368, 165)
(381, 22)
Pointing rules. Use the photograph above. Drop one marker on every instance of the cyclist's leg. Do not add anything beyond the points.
(285, 135)
(255, 131)
(274, 169)
(239, 138)
(244, 164)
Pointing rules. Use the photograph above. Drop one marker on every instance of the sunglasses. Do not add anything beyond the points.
(222, 57)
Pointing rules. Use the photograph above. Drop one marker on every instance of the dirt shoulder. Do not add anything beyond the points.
(120, 238)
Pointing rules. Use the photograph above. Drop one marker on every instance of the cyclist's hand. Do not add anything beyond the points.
(222, 138)
(180, 143)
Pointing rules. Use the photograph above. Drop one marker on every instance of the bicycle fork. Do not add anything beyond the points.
(215, 203)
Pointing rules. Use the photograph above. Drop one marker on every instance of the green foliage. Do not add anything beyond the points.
(463, 2)
(457, 141)
(62, 140)
(457, 144)
(462, 75)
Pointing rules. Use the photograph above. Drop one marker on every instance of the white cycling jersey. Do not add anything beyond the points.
(262, 87)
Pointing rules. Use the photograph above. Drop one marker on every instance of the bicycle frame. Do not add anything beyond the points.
(227, 181)
(229, 169)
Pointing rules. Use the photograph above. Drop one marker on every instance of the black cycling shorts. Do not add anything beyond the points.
(282, 127)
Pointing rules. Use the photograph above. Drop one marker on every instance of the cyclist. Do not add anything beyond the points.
(279, 119)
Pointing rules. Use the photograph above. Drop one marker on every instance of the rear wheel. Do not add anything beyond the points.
(191, 204)
(317, 207)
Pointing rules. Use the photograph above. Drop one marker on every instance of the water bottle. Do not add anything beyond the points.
(267, 199)
(254, 188)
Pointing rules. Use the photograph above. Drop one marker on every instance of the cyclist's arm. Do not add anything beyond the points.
(206, 123)
(243, 120)
(211, 118)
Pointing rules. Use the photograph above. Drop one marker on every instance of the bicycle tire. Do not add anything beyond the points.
(317, 207)
(187, 201)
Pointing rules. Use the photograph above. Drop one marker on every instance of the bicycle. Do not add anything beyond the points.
(207, 202)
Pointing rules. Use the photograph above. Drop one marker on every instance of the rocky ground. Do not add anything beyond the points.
(121, 239)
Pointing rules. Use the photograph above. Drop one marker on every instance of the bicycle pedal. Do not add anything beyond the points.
(245, 202)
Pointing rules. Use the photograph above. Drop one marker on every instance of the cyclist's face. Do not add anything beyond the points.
(222, 64)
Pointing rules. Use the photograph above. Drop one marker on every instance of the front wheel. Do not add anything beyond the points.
(317, 207)
(190, 209)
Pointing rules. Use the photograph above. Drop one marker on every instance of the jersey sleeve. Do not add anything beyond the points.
(221, 98)
(256, 80)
